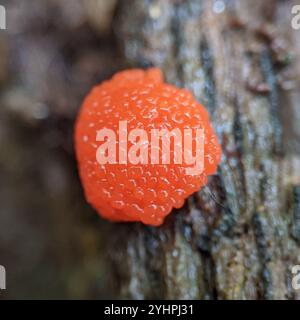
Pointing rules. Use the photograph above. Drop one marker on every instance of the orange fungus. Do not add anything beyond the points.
(143, 146)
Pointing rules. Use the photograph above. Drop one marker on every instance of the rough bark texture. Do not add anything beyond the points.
(238, 237)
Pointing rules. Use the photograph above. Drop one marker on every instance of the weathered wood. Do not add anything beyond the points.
(238, 237)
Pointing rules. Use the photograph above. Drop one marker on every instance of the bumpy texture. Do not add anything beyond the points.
(141, 192)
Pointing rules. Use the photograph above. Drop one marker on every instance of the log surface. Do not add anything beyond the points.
(238, 237)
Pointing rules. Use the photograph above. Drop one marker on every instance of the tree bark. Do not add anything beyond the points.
(238, 237)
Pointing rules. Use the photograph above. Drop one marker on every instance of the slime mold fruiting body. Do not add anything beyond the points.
(144, 192)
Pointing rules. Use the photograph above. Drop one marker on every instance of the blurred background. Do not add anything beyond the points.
(50, 55)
